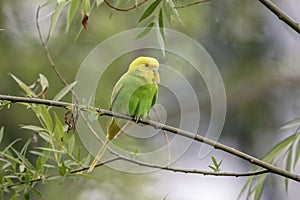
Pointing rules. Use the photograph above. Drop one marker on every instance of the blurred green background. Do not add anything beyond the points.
(257, 55)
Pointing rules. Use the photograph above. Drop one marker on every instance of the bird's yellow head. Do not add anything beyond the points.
(148, 67)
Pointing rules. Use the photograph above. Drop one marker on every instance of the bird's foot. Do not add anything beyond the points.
(136, 119)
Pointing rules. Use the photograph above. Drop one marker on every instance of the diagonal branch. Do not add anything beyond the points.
(102, 112)
(281, 15)
(124, 9)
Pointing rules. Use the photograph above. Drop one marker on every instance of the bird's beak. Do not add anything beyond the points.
(155, 69)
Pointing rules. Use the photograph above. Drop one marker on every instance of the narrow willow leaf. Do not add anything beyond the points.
(50, 150)
(259, 187)
(27, 178)
(290, 124)
(71, 143)
(59, 133)
(38, 164)
(46, 117)
(161, 24)
(149, 10)
(25, 146)
(288, 165)
(23, 159)
(37, 192)
(44, 82)
(62, 169)
(145, 31)
(33, 128)
(23, 86)
(64, 91)
(73, 8)
(212, 167)
(26, 193)
(160, 40)
(1, 133)
(99, 2)
(279, 148)
(214, 161)
(168, 12)
(48, 3)
(246, 185)
(56, 15)
(297, 153)
(85, 7)
(10, 145)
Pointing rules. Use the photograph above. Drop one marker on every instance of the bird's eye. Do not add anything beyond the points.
(146, 65)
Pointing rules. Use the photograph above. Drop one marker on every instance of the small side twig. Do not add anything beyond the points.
(124, 9)
(191, 4)
(281, 15)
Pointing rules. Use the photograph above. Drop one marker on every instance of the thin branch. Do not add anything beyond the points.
(191, 4)
(271, 168)
(186, 171)
(45, 45)
(281, 15)
(71, 172)
(124, 9)
(196, 171)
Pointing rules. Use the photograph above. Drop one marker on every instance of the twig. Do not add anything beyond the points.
(281, 15)
(45, 45)
(124, 9)
(196, 171)
(191, 4)
(71, 172)
(271, 168)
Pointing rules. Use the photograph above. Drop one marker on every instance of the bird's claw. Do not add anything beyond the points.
(136, 119)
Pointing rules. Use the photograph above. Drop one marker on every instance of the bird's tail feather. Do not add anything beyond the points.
(99, 155)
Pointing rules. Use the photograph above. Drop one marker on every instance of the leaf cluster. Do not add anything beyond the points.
(53, 149)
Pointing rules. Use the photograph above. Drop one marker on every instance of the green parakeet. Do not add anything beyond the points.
(134, 95)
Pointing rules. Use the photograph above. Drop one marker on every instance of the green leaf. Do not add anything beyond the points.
(98, 2)
(288, 165)
(290, 124)
(297, 153)
(212, 167)
(149, 10)
(50, 150)
(44, 82)
(26, 193)
(1, 133)
(64, 91)
(85, 7)
(246, 185)
(56, 15)
(14, 197)
(32, 128)
(48, 3)
(71, 143)
(37, 192)
(38, 164)
(10, 145)
(145, 31)
(73, 8)
(23, 86)
(45, 115)
(275, 151)
(62, 169)
(214, 161)
(59, 133)
(161, 24)
(24, 160)
(79, 153)
(27, 178)
(259, 186)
